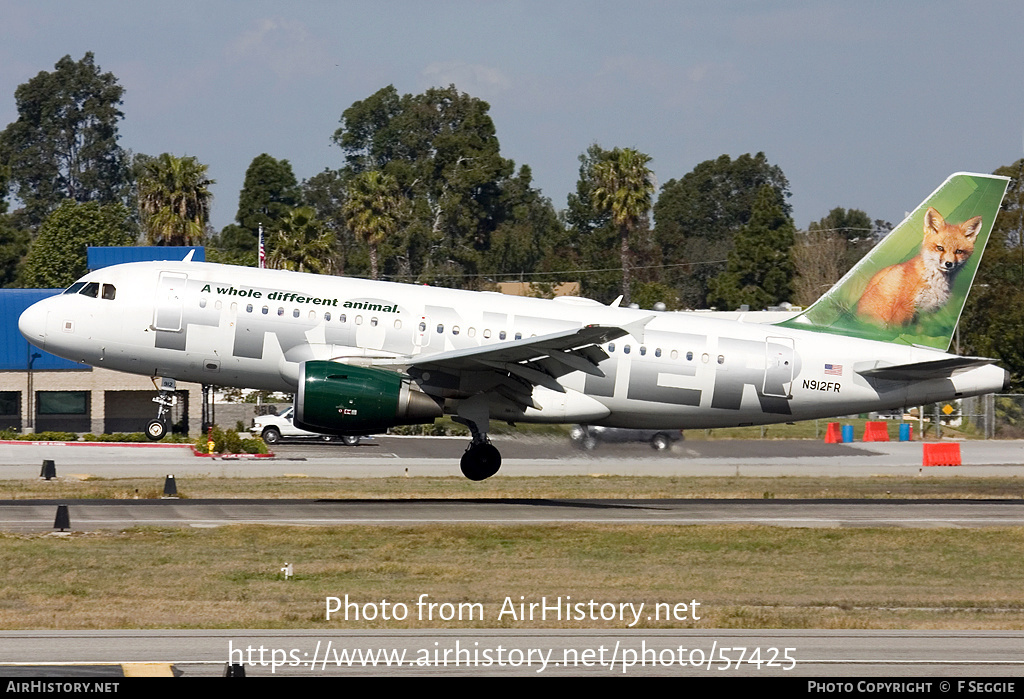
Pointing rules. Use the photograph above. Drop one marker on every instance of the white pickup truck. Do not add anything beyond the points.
(274, 428)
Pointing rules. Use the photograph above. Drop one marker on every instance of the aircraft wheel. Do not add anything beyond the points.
(589, 442)
(155, 430)
(661, 442)
(271, 435)
(480, 461)
(350, 440)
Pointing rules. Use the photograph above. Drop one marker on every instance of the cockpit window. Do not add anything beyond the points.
(91, 289)
(109, 292)
(74, 288)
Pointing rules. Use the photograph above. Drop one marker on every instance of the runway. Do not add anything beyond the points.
(500, 652)
(85, 515)
(526, 456)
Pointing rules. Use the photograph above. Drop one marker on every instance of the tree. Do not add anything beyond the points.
(372, 210)
(325, 192)
(441, 148)
(58, 254)
(14, 243)
(301, 243)
(818, 256)
(174, 199)
(64, 142)
(592, 235)
(854, 228)
(760, 268)
(529, 235)
(623, 186)
(992, 324)
(697, 216)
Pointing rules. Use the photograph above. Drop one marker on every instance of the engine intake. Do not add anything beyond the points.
(336, 398)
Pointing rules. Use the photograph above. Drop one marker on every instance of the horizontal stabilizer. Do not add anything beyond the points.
(920, 371)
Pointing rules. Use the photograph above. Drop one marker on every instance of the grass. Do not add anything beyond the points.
(742, 576)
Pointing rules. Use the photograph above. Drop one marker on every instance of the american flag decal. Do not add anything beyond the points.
(834, 369)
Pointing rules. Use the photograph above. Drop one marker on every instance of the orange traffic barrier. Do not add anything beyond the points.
(939, 454)
(832, 434)
(876, 432)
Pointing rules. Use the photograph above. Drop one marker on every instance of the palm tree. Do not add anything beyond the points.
(372, 209)
(623, 186)
(174, 199)
(301, 243)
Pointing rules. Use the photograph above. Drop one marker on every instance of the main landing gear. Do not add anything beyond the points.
(482, 459)
(156, 429)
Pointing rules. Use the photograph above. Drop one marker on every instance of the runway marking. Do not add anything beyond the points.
(147, 669)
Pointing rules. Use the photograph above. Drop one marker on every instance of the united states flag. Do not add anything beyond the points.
(834, 369)
(263, 254)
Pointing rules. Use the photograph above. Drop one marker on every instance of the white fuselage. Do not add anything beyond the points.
(245, 327)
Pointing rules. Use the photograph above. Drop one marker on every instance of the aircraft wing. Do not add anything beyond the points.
(919, 371)
(537, 360)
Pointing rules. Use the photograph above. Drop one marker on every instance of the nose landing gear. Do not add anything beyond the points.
(156, 429)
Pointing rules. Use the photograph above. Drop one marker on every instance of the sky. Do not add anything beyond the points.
(864, 104)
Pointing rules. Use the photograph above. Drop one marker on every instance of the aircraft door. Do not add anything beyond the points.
(421, 333)
(170, 293)
(779, 364)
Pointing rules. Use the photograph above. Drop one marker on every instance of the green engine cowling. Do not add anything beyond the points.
(336, 398)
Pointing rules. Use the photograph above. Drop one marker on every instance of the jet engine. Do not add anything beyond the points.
(336, 398)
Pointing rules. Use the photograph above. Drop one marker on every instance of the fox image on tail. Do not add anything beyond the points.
(897, 294)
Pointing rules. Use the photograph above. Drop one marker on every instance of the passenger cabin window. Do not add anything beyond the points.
(109, 292)
(295, 313)
(327, 316)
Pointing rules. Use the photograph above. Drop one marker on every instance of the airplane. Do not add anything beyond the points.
(361, 356)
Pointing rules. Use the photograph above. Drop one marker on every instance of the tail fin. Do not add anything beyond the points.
(912, 286)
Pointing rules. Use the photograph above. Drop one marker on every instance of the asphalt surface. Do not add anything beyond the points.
(503, 652)
(86, 515)
(398, 456)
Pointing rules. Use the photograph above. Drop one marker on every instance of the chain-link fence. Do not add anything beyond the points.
(993, 416)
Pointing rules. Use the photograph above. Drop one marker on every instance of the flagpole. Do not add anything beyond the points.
(263, 255)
